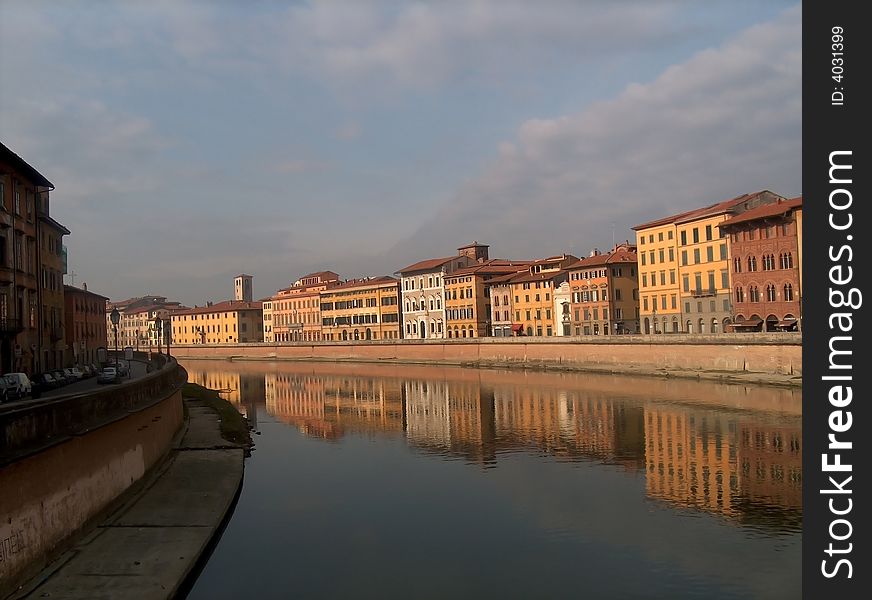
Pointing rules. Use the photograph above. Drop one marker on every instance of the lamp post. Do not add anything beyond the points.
(137, 339)
(158, 329)
(115, 317)
(168, 326)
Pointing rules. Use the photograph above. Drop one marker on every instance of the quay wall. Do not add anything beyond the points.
(64, 460)
(680, 355)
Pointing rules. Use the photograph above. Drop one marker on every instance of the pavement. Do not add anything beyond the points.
(147, 548)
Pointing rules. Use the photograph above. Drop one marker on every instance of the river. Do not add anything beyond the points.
(381, 481)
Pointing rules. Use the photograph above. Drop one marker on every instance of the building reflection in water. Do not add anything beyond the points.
(717, 448)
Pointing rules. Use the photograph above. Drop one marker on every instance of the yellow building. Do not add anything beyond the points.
(532, 295)
(361, 309)
(684, 275)
(229, 322)
(468, 297)
(294, 313)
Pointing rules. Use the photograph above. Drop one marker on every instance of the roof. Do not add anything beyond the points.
(20, 164)
(610, 258)
(767, 210)
(69, 289)
(474, 244)
(363, 283)
(242, 275)
(526, 276)
(226, 306)
(327, 275)
(54, 224)
(706, 211)
(494, 266)
(427, 265)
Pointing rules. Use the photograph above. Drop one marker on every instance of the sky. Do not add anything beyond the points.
(192, 141)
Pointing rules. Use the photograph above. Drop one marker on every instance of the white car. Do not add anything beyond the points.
(108, 375)
(18, 385)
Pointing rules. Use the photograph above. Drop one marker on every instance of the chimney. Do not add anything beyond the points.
(85, 286)
(594, 252)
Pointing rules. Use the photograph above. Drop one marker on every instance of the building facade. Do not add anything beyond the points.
(468, 296)
(683, 263)
(228, 322)
(242, 288)
(85, 321)
(137, 327)
(32, 264)
(295, 313)
(765, 267)
(362, 309)
(604, 293)
(423, 290)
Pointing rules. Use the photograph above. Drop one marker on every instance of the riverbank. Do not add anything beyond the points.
(768, 359)
(153, 542)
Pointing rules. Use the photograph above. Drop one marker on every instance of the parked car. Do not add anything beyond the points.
(123, 368)
(45, 381)
(87, 372)
(61, 377)
(74, 373)
(108, 375)
(18, 385)
(4, 387)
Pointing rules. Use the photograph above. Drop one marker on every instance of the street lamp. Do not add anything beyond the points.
(136, 333)
(169, 334)
(158, 329)
(115, 317)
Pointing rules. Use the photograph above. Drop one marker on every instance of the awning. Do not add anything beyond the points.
(517, 328)
(786, 323)
(755, 323)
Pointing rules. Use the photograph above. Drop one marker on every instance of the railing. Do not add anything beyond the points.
(701, 293)
(29, 426)
(11, 326)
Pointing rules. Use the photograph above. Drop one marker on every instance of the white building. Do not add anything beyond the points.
(562, 307)
(423, 291)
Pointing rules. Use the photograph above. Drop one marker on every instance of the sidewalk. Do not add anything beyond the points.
(148, 546)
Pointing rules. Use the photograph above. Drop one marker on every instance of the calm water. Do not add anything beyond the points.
(373, 481)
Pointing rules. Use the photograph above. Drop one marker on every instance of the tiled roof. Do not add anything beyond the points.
(325, 275)
(226, 306)
(427, 265)
(74, 290)
(700, 213)
(767, 210)
(35, 176)
(364, 282)
(527, 276)
(493, 266)
(610, 258)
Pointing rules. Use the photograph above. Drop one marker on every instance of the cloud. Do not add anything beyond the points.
(725, 122)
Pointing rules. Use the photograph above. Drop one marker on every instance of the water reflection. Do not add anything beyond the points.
(730, 451)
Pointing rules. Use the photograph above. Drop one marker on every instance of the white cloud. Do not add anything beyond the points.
(725, 122)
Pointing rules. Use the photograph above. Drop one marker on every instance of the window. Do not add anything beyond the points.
(770, 293)
(752, 263)
(695, 235)
(684, 238)
(711, 281)
(641, 240)
(651, 256)
(786, 260)
(788, 292)
(753, 294)
(697, 278)
(737, 265)
(723, 252)
(725, 279)
(672, 276)
(660, 237)
(674, 300)
(708, 232)
(669, 236)
(644, 280)
(617, 295)
(644, 304)
(662, 277)
(663, 301)
(662, 255)
(696, 259)
(685, 282)
(710, 253)
(642, 254)
(671, 253)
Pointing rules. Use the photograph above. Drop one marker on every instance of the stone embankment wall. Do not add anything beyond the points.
(680, 355)
(64, 460)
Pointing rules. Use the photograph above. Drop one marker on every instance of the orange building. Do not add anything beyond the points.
(228, 322)
(84, 312)
(294, 313)
(468, 296)
(604, 293)
(361, 309)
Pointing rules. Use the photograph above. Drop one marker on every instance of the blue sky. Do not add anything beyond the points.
(190, 141)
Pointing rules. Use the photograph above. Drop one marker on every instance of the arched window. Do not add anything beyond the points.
(752, 263)
(768, 262)
(740, 294)
(786, 260)
(788, 292)
(737, 265)
(753, 294)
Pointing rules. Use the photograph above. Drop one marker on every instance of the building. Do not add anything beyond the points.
(228, 322)
(136, 327)
(684, 280)
(294, 314)
(268, 335)
(361, 309)
(85, 323)
(32, 264)
(604, 293)
(468, 296)
(531, 293)
(242, 288)
(765, 267)
(423, 290)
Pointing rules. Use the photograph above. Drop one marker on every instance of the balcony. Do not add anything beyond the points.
(703, 292)
(10, 326)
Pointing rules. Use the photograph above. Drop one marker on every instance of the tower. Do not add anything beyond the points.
(243, 288)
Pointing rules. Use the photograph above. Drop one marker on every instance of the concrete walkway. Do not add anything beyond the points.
(148, 546)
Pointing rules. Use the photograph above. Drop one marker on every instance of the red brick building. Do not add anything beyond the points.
(765, 266)
(85, 323)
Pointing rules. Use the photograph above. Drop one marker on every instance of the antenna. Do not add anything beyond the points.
(73, 278)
